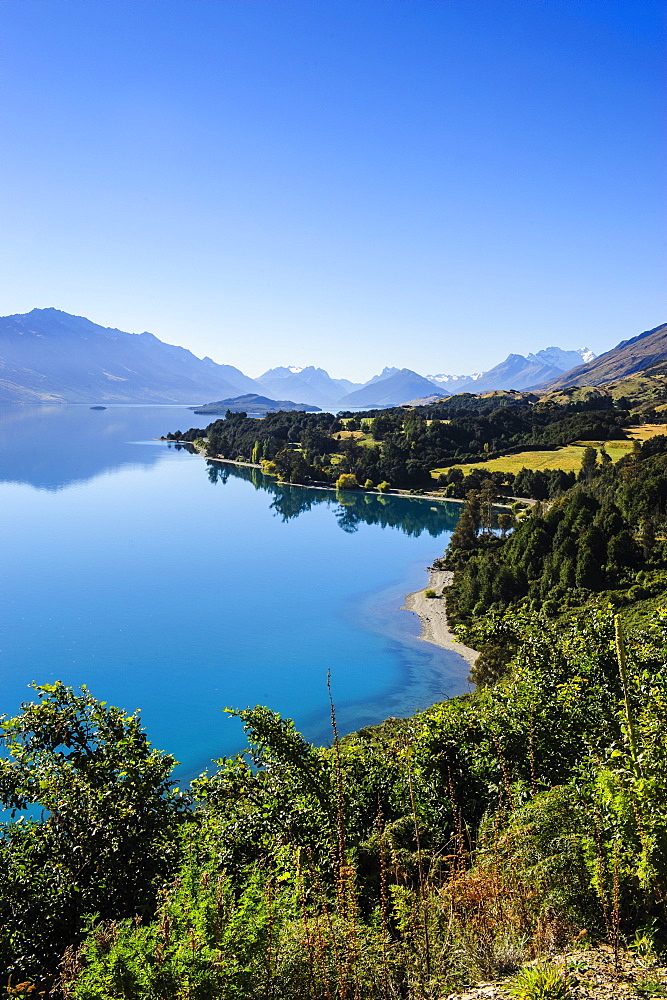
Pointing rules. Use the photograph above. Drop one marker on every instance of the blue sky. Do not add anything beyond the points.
(346, 183)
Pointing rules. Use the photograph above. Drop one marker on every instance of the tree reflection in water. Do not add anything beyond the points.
(411, 515)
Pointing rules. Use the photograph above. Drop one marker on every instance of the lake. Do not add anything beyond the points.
(178, 586)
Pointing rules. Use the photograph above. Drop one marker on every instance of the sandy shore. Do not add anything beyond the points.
(433, 615)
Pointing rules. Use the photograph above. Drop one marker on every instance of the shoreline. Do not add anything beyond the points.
(405, 494)
(432, 613)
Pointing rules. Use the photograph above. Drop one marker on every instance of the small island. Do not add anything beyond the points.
(254, 405)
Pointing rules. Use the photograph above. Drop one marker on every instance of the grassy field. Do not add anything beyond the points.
(567, 458)
(361, 437)
(645, 431)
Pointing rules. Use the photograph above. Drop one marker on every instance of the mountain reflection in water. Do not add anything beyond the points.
(51, 447)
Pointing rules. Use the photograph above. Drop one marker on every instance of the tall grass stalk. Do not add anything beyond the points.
(423, 897)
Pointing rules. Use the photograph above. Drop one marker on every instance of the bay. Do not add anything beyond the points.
(177, 586)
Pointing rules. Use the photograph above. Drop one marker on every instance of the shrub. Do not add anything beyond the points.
(430, 593)
(384, 487)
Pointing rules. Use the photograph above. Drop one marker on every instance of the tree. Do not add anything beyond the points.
(505, 521)
(106, 841)
(589, 461)
(648, 536)
(347, 481)
(465, 534)
(487, 497)
(292, 466)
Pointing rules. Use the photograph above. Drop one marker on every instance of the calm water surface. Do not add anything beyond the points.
(178, 586)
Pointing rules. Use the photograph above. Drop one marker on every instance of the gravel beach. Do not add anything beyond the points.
(432, 613)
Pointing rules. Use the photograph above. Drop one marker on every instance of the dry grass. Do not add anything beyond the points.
(567, 458)
(646, 431)
(361, 437)
(346, 435)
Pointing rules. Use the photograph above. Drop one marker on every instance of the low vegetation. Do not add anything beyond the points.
(403, 861)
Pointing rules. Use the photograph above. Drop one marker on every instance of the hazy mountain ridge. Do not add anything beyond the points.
(50, 356)
(516, 371)
(292, 382)
(394, 389)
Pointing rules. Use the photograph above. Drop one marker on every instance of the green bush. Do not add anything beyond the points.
(540, 982)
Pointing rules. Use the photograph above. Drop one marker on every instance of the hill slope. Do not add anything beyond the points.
(625, 359)
(50, 356)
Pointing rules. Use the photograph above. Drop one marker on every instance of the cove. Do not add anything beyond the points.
(173, 585)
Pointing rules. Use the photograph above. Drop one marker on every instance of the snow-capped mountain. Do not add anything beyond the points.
(564, 360)
(516, 371)
(454, 383)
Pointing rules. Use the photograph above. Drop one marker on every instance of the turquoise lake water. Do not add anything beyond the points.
(178, 586)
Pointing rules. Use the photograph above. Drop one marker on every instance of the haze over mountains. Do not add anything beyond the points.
(318, 386)
(48, 355)
(516, 371)
(392, 390)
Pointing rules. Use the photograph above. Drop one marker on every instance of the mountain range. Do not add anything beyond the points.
(48, 355)
(311, 384)
(516, 371)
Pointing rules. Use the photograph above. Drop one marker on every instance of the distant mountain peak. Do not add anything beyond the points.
(313, 385)
(401, 386)
(556, 357)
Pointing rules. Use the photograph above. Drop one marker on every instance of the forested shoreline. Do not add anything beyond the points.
(411, 858)
(401, 446)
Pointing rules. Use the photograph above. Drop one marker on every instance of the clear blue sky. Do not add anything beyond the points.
(346, 183)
